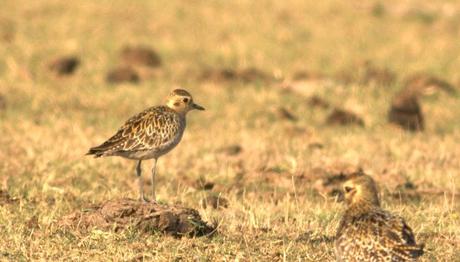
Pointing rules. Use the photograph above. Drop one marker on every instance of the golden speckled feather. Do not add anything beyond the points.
(375, 234)
(369, 233)
(153, 128)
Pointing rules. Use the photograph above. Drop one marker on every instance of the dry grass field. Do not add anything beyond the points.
(269, 74)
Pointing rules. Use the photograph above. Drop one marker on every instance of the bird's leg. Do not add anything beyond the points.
(140, 182)
(154, 170)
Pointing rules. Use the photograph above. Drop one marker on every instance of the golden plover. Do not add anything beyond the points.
(369, 233)
(150, 134)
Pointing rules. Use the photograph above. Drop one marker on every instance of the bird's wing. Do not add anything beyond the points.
(149, 129)
(353, 239)
(377, 234)
(400, 236)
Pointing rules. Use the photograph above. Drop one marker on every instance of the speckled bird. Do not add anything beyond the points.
(150, 134)
(369, 233)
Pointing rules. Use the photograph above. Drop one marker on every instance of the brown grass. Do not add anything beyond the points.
(275, 208)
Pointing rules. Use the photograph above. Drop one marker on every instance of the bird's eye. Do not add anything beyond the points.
(185, 100)
(348, 189)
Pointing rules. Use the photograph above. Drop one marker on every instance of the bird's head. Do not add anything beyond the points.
(181, 101)
(361, 189)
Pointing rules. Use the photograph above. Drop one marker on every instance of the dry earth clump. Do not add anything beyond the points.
(215, 201)
(5, 198)
(65, 65)
(284, 114)
(425, 84)
(305, 87)
(231, 150)
(245, 75)
(203, 184)
(7, 30)
(295, 130)
(3, 103)
(140, 56)
(377, 75)
(406, 112)
(146, 217)
(253, 74)
(122, 74)
(344, 117)
(318, 102)
(307, 75)
(137, 63)
(366, 73)
(219, 75)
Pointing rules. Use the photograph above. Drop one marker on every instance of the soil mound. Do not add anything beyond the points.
(147, 217)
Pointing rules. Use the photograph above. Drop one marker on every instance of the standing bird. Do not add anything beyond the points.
(369, 233)
(150, 134)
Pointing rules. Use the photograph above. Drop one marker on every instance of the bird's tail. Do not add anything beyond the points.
(410, 252)
(96, 151)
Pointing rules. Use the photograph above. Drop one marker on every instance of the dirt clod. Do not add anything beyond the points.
(307, 75)
(65, 65)
(122, 74)
(5, 198)
(252, 74)
(366, 73)
(140, 55)
(405, 111)
(343, 117)
(231, 150)
(284, 114)
(202, 184)
(146, 217)
(318, 102)
(315, 145)
(424, 84)
(2, 103)
(32, 223)
(377, 75)
(214, 201)
(245, 75)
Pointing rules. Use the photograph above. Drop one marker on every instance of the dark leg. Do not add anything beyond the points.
(140, 182)
(154, 169)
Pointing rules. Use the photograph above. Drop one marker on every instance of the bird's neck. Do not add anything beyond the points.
(180, 111)
(182, 115)
(361, 206)
(365, 198)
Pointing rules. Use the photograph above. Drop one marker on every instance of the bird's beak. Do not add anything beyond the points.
(196, 106)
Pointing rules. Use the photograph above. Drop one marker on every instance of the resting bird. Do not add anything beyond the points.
(150, 134)
(369, 233)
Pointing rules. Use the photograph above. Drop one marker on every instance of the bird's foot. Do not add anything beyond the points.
(143, 199)
(154, 198)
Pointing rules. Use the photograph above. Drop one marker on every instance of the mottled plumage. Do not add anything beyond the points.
(369, 233)
(150, 134)
(146, 135)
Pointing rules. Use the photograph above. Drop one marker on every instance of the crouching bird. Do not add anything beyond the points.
(369, 233)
